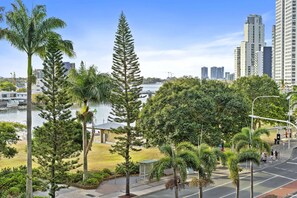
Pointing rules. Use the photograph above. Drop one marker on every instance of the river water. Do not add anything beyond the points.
(101, 116)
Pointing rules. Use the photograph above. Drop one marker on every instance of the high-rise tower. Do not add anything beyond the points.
(284, 43)
(253, 41)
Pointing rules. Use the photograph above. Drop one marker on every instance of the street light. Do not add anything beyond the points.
(252, 125)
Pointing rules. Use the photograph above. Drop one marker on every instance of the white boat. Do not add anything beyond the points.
(12, 103)
(22, 105)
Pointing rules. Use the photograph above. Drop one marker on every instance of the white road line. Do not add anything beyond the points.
(294, 158)
(291, 163)
(249, 186)
(216, 186)
(279, 175)
(274, 189)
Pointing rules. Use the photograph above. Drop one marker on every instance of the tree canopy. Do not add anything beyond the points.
(8, 136)
(187, 109)
(254, 86)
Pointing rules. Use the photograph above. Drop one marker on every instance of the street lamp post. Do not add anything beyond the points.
(289, 116)
(252, 130)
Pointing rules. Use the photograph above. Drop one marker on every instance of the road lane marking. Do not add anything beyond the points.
(216, 186)
(291, 163)
(274, 189)
(249, 186)
(279, 175)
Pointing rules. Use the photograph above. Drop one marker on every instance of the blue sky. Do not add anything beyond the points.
(177, 36)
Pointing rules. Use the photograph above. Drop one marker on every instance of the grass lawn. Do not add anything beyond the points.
(98, 158)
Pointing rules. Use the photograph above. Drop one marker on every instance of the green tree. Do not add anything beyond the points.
(228, 103)
(8, 136)
(54, 143)
(29, 32)
(234, 159)
(87, 85)
(254, 86)
(248, 139)
(179, 159)
(125, 95)
(7, 86)
(186, 108)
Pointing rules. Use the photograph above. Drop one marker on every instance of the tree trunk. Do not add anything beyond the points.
(29, 190)
(200, 191)
(252, 181)
(85, 144)
(237, 188)
(127, 158)
(52, 190)
(175, 182)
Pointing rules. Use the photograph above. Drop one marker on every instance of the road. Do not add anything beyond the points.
(265, 180)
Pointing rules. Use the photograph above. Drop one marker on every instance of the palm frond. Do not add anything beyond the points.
(239, 136)
(190, 158)
(167, 150)
(159, 167)
(241, 144)
(260, 132)
(195, 182)
(186, 146)
(249, 155)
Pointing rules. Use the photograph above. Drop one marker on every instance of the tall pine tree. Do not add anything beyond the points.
(54, 144)
(126, 95)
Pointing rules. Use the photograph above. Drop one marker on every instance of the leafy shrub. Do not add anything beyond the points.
(107, 171)
(121, 169)
(74, 177)
(13, 181)
(91, 181)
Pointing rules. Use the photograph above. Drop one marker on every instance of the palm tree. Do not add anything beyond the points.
(179, 159)
(87, 85)
(248, 139)
(29, 32)
(233, 164)
(208, 162)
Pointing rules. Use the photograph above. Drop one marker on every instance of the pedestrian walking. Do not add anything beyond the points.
(276, 153)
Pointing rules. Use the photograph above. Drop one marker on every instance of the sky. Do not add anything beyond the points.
(172, 37)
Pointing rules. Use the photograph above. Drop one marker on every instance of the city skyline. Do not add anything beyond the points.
(172, 36)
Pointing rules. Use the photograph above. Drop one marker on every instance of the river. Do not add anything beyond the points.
(101, 116)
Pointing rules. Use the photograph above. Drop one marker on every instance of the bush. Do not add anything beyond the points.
(13, 191)
(13, 181)
(91, 181)
(74, 177)
(121, 169)
(107, 171)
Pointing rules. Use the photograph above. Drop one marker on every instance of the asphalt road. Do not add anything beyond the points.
(265, 180)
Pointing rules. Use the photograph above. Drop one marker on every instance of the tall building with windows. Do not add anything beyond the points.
(237, 62)
(68, 66)
(284, 43)
(217, 73)
(204, 72)
(253, 41)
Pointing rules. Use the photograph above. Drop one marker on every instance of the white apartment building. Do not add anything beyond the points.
(237, 62)
(284, 43)
(253, 41)
(259, 63)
